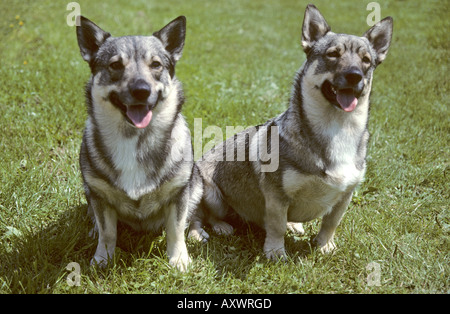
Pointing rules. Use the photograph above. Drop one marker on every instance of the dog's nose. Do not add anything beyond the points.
(140, 90)
(353, 76)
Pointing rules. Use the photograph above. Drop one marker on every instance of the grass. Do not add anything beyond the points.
(237, 69)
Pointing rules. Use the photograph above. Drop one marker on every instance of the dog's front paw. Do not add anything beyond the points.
(99, 261)
(325, 247)
(181, 262)
(274, 251)
(276, 254)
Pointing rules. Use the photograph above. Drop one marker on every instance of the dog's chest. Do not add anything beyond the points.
(313, 196)
(132, 177)
(138, 185)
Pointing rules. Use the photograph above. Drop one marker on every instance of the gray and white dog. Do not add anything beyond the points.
(136, 155)
(320, 144)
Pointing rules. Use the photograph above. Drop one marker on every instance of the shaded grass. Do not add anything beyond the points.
(237, 69)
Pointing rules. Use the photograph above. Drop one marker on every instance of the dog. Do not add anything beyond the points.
(321, 143)
(136, 155)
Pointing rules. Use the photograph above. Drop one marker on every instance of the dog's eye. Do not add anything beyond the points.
(333, 54)
(366, 59)
(155, 65)
(116, 65)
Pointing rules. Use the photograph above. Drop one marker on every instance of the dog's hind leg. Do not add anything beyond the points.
(197, 219)
(196, 209)
(296, 227)
(220, 227)
(216, 209)
(197, 232)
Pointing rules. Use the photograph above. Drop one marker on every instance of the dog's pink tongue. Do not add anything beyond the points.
(139, 115)
(346, 99)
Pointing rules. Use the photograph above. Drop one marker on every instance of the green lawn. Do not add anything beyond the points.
(238, 65)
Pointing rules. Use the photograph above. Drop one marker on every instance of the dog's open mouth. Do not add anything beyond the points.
(344, 98)
(140, 115)
(137, 115)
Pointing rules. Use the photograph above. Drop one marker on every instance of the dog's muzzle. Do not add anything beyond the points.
(345, 90)
(137, 103)
(140, 112)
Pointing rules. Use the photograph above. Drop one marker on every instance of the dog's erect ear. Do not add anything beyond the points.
(380, 36)
(172, 36)
(314, 27)
(90, 38)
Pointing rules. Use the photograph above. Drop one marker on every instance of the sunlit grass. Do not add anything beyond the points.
(237, 69)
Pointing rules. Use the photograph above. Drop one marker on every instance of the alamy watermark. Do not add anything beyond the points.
(74, 278)
(72, 18)
(75, 8)
(257, 143)
(374, 277)
(374, 16)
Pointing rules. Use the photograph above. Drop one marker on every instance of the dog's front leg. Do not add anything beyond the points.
(275, 224)
(106, 221)
(325, 238)
(176, 245)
